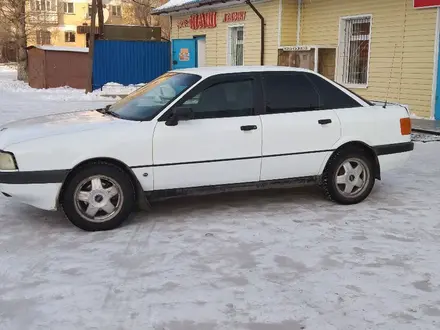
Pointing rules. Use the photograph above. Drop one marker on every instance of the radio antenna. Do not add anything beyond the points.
(391, 74)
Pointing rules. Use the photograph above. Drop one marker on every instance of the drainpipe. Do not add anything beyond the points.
(255, 10)
(298, 23)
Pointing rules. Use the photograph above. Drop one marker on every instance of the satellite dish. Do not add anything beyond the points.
(106, 16)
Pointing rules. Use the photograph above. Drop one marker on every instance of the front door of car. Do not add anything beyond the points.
(211, 137)
(298, 131)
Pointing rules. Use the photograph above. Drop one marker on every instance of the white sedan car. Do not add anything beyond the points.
(200, 131)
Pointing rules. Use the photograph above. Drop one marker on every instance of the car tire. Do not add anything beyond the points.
(349, 176)
(98, 197)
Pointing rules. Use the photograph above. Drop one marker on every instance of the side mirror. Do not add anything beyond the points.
(180, 113)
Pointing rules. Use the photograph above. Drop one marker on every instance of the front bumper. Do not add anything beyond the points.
(43, 196)
(36, 188)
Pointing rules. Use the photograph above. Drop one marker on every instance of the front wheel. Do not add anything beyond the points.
(349, 177)
(98, 197)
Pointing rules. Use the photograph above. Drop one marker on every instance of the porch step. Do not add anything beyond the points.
(427, 126)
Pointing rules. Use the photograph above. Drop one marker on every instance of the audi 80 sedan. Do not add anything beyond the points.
(203, 130)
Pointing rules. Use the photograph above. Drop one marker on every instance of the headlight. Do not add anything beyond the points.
(7, 162)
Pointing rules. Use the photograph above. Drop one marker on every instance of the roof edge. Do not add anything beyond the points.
(192, 5)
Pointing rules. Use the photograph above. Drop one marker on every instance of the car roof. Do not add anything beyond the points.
(212, 71)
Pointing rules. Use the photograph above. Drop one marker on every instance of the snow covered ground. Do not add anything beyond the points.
(275, 260)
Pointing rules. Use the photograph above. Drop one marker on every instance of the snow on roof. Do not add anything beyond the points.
(177, 5)
(174, 4)
(62, 49)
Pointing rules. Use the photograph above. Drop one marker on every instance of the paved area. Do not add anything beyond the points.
(268, 260)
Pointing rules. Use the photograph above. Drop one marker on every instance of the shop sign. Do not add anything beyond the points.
(203, 21)
(234, 17)
(199, 21)
(183, 23)
(426, 3)
(296, 48)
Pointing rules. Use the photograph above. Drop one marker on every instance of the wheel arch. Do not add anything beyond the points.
(362, 146)
(139, 192)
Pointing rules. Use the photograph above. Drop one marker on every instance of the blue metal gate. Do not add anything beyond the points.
(129, 62)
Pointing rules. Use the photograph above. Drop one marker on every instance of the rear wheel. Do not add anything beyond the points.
(99, 196)
(349, 176)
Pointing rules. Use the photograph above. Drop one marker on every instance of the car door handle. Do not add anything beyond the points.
(324, 121)
(248, 127)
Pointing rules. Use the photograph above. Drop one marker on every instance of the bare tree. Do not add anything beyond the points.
(139, 12)
(13, 19)
(21, 19)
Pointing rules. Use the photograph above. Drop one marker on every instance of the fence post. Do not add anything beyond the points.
(92, 47)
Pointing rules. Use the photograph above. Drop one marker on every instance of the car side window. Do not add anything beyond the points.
(289, 92)
(330, 96)
(224, 99)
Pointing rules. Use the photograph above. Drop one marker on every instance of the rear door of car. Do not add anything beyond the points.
(299, 131)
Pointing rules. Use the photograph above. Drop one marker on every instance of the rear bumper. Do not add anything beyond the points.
(394, 155)
(391, 149)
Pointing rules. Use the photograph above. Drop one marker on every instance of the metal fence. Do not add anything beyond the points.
(129, 62)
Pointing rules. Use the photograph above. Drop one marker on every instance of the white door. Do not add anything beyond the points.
(221, 144)
(201, 52)
(299, 130)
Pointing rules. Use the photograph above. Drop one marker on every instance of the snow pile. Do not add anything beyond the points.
(116, 89)
(9, 84)
(19, 101)
(421, 137)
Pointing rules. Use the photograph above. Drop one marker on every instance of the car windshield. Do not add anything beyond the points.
(146, 102)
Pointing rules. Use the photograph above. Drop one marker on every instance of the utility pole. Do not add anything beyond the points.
(100, 18)
(92, 47)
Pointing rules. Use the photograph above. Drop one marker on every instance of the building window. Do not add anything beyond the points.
(43, 37)
(44, 5)
(235, 45)
(69, 36)
(69, 8)
(116, 11)
(355, 50)
(90, 10)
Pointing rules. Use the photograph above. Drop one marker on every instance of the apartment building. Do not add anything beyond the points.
(57, 22)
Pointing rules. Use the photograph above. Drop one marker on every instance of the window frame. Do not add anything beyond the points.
(68, 33)
(339, 87)
(114, 7)
(229, 43)
(340, 62)
(66, 8)
(219, 79)
(52, 9)
(40, 37)
(362, 102)
(284, 73)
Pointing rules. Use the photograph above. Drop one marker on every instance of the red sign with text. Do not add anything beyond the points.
(203, 21)
(234, 17)
(426, 3)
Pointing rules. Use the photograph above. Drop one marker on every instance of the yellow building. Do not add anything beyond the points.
(381, 49)
(55, 22)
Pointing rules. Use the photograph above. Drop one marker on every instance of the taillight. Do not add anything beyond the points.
(405, 126)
